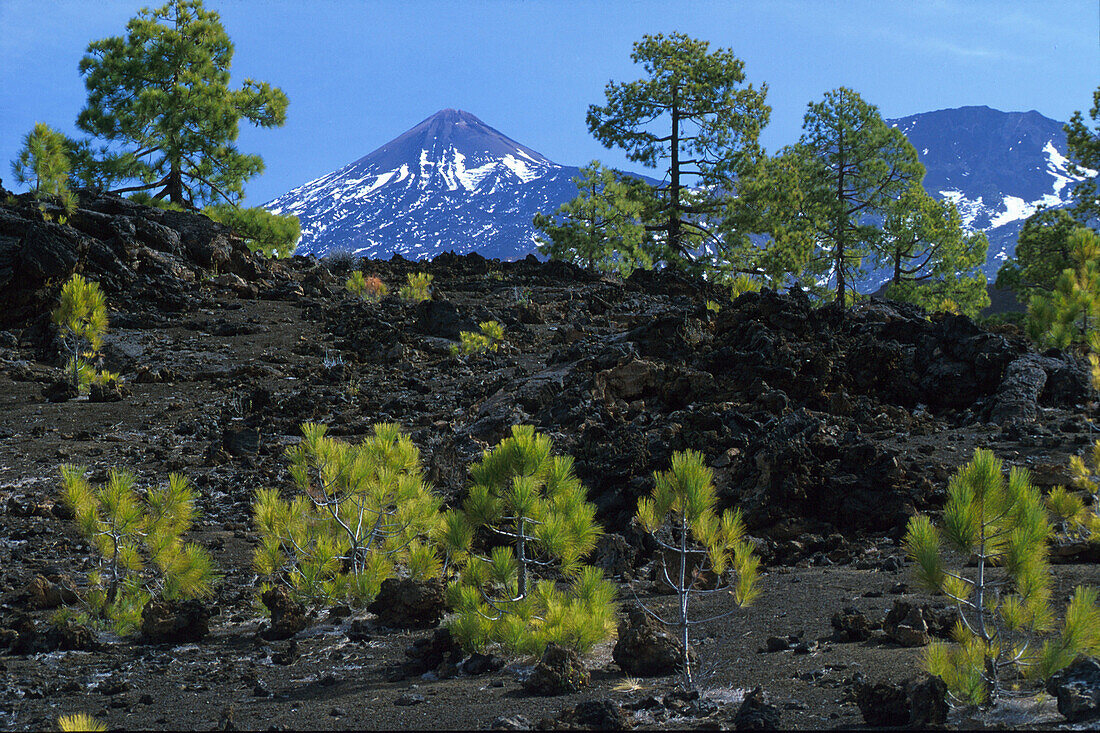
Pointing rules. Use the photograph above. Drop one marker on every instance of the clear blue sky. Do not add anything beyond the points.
(361, 73)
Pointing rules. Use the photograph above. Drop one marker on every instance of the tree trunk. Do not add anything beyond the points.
(674, 234)
(841, 224)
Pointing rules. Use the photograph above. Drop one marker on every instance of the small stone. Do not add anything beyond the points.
(777, 644)
(756, 713)
(409, 699)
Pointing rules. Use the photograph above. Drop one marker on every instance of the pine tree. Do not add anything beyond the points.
(1084, 152)
(80, 722)
(1004, 601)
(43, 161)
(488, 339)
(1042, 252)
(680, 515)
(850, 167)
(81, 316)
(160, 97)
(272, 235)
(526, 520)
(1078, 519)
(1071, 311)
(364, 514)
(417, 287)
(600, 229)
(933, 259)
(131, 532)
(693, 118)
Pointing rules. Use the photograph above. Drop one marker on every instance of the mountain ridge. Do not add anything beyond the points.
(454, 183)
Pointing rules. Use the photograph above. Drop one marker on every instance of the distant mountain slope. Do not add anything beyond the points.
(998, 168)
(450, 183)
(453, 182)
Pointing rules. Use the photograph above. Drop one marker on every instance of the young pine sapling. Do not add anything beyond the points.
(525, 522)
(705, 548)
(131, 533)
(364, 514)
(1004, 596)
(81, 317)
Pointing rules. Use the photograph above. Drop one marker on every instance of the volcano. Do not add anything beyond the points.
(451, 183)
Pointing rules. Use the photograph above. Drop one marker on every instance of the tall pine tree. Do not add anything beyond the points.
(854, 167)
(1084, 151)
(934, 262)
(692, 118)
(160, 96)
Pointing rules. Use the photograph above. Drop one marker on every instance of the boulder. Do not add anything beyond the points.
(852, 625)
(288, 616)
(405, 603)
(645, 648)
(756, 713)
(906, 625)
(917, 703)
(1077, 689)
(175, 622)
(559, 671)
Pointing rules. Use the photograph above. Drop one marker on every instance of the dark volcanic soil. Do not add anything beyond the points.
(828, 427)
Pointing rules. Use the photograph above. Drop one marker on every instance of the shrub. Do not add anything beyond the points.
(1080, 521)
(364, 514)
(44, 160)
(272, 235)
(80, 722)
(339, 260)
(526, 515)
(368, 288)
(705, 547)
(1004, 600)
(492, 333)
(417, 287)
(139, 539)
(81, 316)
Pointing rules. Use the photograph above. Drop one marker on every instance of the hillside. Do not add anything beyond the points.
(830, 428)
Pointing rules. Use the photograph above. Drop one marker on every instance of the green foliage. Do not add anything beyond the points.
(744, 284)
(492, 333)
(139, 539)
(81, 317)
(1080, 634)
(936, 264)
(1078, 520)
(529, 500)
(368, 288)
(681, 517)
(691, 117)
(364, 514)
(80, 722)
(417, 287)
(1004, 600)
(601, 229)
(272, 235)
(1043, 251)
(1084, 152)
(160, 97)
(849, 168)
(44, 160)
(1067, 314)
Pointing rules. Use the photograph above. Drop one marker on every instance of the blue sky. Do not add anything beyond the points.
(360, 73)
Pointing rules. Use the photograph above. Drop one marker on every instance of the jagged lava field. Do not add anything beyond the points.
(828, 427)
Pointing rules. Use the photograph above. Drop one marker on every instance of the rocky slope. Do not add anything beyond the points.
(829, 428)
